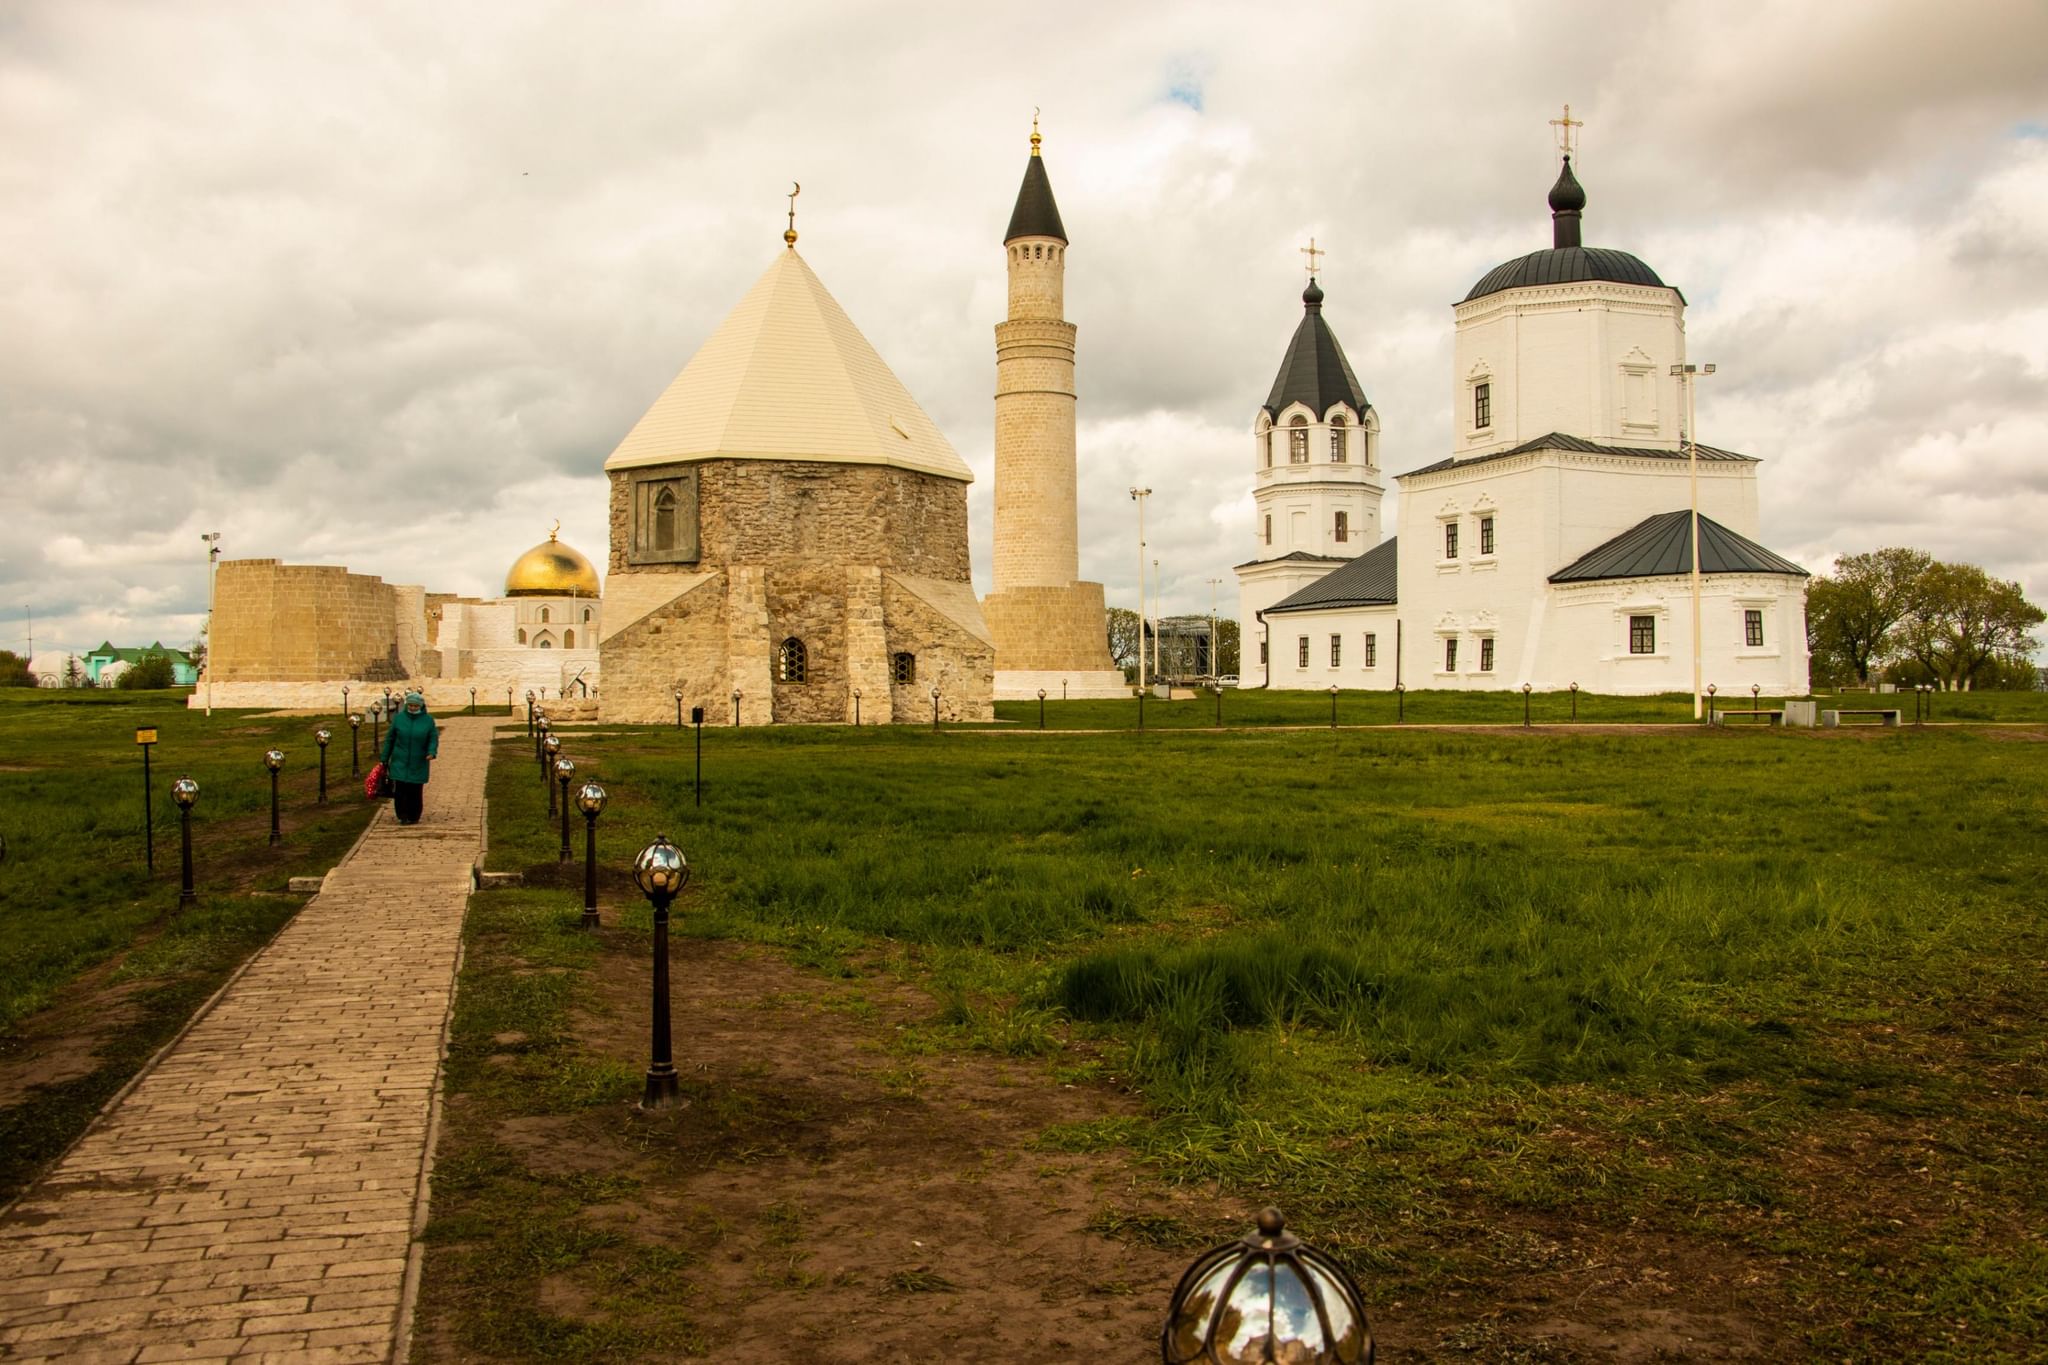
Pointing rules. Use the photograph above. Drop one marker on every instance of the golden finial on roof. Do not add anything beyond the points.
(1035, 139)
(1565, 126)
(555, 531)
(789, 235)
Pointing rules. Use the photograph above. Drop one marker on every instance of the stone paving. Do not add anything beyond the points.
(257, 1192)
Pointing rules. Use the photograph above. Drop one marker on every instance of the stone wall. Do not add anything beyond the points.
(1046, 629)
(959, 664)
(276, 622)
(681, 645)
(819, 515)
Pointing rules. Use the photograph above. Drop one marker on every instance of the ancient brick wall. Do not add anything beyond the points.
(961, 666)
(680, 645)
(817, 514)
(276, 622)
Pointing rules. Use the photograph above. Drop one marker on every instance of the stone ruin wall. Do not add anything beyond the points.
(276, 622)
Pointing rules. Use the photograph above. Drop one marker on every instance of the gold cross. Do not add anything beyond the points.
(1311, 252)
(1565, 125)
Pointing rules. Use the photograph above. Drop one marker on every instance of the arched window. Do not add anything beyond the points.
(665, 519)
(903, 668)
(543, 615)
(522, 637)
(790, 663)
(1297, 441)
(569, 636)
(586, 613)
(545, 643)
(1343, 527)
(1266, 445)
(1337, 439)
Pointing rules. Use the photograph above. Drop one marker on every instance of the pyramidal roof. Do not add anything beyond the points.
(1314, 371)
(787, 376)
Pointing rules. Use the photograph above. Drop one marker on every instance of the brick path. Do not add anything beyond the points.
(255, 1194)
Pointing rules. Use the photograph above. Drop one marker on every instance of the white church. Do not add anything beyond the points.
(1553, 546)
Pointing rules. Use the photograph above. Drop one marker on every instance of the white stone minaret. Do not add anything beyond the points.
(1049, 626)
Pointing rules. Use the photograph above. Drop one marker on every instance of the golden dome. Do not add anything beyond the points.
(551, 569)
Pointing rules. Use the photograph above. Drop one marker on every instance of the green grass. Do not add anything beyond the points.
(1776, 997)
(75, 894)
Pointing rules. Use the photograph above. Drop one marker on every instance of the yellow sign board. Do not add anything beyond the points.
(145, 736)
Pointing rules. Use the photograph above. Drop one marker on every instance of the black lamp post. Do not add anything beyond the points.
(529, 713)
(1400, 703)
(590, 799)
(1575, 702)
(1756, 693)
(549, 748)
(320, 737)
(697, 725)
(1333, 706)
(540, 734)
(735, 708)
(355, 733)
(856, 708)
(679, 706)
(185, 792)
(376, 715)
(1141, 691)
(564, 770)
(935, 708)
(344, 701)
(273, 759)
(472, 701)
(1217, 688)
(662, 872)
(1711, 690)
(1525, 706)
(1267, 1297)
(1041, 708)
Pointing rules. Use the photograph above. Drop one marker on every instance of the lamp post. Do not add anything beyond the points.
(472, 701)
(549, 748)
(529, 713)
(564, 770)
(1755, 698)
(1138, 495)
(212, 539)
(1711, 690)
(1400, 703)
(344, 699)
(697, 724)
(935, 708)
(1267, 1296)
(590, 799)
(376, 715)
(679, 707)
(1217, 688)
(662, 872)
(1041, 708)
(856, 708)
(273, 759)
(1575, 703)
(320, 737)
(185, 792)
(355, 733)
(540, 735)
(508, 702)
(1686, 375)
(1525, 706)
(1333, 706)
(735, 708)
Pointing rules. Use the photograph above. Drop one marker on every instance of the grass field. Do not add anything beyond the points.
(1759, 1019)
(98, 966)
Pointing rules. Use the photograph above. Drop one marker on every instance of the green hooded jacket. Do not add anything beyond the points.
(408, 744)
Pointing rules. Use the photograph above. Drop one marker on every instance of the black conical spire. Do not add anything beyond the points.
(1567, 203)
(1036, 214)
(1314, 371)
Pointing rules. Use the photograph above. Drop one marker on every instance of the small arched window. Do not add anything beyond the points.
(1297, 441)
(586, 613)
(543, 615)
(791, 666)
(545, 643)
(569, 636)
(903, 668)
(1266, 444)
(522, 637)
(665, 519)
(1337, 438)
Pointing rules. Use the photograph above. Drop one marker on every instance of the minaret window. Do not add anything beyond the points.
(521, 637)
(543, 615)
(1297, 441)
(1343, 527)
(791, 665)
(568, 639)
(1482, 405)
(1337, 441)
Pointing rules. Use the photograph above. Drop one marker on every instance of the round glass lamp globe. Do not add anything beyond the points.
(1266, 1297)
(185, 792)
(273, 759)
(661, 868)
(321, 737)
(590, 798)
(564, 768)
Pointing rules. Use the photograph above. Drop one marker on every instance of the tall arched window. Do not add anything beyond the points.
(586, 613)
(569, 636)
(1297, 441)
(1337, 438)
(665, 519)
(1343, 527)
(522, 637)
(543, 615)
(791, 665)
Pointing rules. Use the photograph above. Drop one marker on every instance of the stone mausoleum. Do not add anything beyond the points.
(789, 526)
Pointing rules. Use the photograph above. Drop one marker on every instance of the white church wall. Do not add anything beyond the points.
(1588, 639)
(1259, 586)
(1362, 639)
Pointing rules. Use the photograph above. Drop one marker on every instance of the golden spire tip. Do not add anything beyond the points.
(789, 233)
(1035, 139)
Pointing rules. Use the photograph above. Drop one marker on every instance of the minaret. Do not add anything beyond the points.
(1049, 627)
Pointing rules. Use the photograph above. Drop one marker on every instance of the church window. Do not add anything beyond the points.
(522, 637)
(1297, 441)
(1372, 650)
(1486, 654)
(1337, 439)
(568, 639)
(1753, 628)
(1450, 540)
(903, 668)
(1642, 635)
(1482, 405)
(543, 615)
(1267, 439)
(1451, 655)
(1343, 527)
(1336, 650)
(664, 534)
(1486, 535)
(1262, 654)
(1269, 528)
(1301, 652)
(791, 666)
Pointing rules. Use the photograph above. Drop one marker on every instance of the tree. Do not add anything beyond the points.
(74, 673)
(197, 650)
(14, 670)
(1123, 638)
(1963, 620)
(150, 672)
(1853, 614)
(1226, 646)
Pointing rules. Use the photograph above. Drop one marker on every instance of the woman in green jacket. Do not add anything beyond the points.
(409, 748)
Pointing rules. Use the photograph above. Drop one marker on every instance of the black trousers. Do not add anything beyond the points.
(408, 798)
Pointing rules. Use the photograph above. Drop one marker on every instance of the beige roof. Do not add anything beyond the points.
(787, 376)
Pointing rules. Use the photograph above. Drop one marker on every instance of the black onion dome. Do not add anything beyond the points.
(1314, 371)
(1036, 214)
(1567, 195)
(1566, 261)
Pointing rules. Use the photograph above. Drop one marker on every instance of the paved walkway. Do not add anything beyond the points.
(255, 1194)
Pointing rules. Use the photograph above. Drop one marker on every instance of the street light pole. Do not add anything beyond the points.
(564, 770)
(590, 799)
(185, 791)
(1687, 374)
(662, 873)
(1138, 495)
(273, 759)
(212, 539)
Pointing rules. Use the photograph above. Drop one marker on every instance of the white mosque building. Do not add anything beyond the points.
(1553, 545)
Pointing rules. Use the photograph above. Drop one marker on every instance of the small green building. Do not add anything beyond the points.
(184, 673)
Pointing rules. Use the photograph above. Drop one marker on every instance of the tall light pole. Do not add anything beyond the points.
(212, 539)
(1686, 375)
(1138, 495)
(1215, 654)
(1157, 615)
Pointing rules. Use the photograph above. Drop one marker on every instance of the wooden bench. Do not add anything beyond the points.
(1886, 716)
(1760, 717)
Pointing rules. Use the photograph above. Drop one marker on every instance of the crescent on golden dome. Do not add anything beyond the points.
(552, 569)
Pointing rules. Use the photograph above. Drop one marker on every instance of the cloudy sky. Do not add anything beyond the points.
(382, 284)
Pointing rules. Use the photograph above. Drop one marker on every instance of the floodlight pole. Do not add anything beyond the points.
(212, 539)
(1687, 374)
(1138, 495)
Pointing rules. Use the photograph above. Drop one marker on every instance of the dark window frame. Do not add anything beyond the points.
(1642, 634)
(1753, 627)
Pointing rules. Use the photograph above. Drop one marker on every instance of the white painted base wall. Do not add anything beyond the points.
(1024, 684)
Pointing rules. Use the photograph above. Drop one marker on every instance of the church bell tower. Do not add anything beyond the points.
(1049, 627)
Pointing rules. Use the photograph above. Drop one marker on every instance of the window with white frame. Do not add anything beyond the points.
(1642, 635)
(1269, 528)
(1753, 627)
(1297, 440)
(1262, 654)
(1337, 438)
(1336, 650)
(1372, 650)
(1301, 652)
(1482, 405)
(1486, 654)
(1451, 655)
(1486, 535)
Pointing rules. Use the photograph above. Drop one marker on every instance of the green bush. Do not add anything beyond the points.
(150, 673)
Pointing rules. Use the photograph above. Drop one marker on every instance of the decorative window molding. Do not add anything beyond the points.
(1337, 438)
(1638, 393)
(663, 503)
(1642, 633)
(1297, 440)
(1753, 627)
